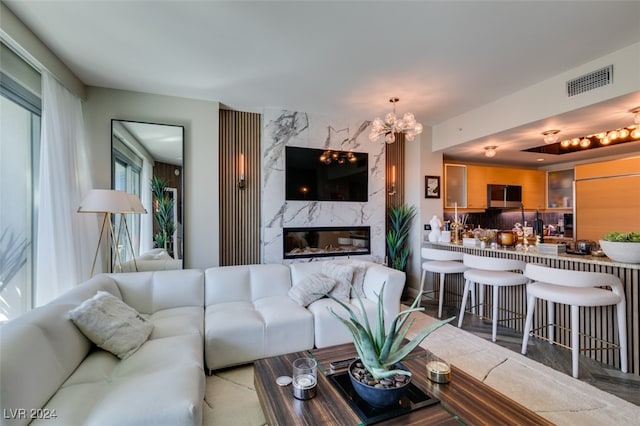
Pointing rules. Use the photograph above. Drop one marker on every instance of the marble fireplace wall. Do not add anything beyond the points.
(290, 128)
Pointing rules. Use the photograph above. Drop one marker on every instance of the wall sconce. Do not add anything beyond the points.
(392, 189)
(241, 178)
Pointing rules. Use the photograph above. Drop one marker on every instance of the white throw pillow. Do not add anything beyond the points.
(111, 324)
(155, 254)
(343, 274)
(311, 289)
(359, 269)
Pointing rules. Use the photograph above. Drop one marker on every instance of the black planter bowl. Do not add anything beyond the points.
(378, 397)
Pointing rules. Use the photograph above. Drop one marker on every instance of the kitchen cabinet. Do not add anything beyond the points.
(607, 198)
(560, 189)
(533, 189)
(455, 188)
(503, 176)
(476, 187)
(477, 178)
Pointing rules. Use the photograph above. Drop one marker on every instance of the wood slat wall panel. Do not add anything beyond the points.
(394, 155)
(239, 208)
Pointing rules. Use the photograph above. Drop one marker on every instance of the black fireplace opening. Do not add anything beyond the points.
(326, 241)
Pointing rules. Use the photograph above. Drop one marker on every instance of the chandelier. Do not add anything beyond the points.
(340, 157)
(392, 125)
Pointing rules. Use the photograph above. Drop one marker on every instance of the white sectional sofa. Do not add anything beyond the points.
(52, 374)
(328, 331)
(249, 315)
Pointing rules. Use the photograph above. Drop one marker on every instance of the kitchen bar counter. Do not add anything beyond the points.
(532, 255)
(596, 322)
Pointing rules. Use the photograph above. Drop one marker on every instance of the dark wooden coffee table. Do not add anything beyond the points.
(464, 400)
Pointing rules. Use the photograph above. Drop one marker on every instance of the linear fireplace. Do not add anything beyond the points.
(326, 241)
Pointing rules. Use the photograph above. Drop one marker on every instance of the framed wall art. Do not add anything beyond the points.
(432, 187)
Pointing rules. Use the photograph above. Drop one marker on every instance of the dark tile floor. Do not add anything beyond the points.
(625, 386)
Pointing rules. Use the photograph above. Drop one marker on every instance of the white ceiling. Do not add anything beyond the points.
(337, 58)
(163, 141)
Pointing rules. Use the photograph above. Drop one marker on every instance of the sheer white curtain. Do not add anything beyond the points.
(66, 239)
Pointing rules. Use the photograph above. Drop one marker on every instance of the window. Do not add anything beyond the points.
(19, 148)
(126, 177)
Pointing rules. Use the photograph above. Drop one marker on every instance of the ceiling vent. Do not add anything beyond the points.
(590, 81)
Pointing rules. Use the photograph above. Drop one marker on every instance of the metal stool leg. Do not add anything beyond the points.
(463, 306)
(531, 306)
(441, 295)
(622, 334)
(494, 326)
(551, 315)
(575, 339)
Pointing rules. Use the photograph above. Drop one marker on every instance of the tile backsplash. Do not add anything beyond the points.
(505, 220)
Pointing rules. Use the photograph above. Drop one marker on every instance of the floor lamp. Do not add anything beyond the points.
(107, 202)
(135, 207)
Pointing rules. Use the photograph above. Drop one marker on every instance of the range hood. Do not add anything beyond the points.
(501, 197)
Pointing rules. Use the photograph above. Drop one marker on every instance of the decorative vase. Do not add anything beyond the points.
(379, 398)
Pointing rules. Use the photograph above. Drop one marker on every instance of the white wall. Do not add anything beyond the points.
(420, 161)
(200, 120)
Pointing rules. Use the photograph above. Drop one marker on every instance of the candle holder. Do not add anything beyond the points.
(455, 232)
(305, 378)
(438, 370)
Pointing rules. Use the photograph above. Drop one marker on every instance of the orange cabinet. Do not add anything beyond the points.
(607, 198)
(625, 166)
(533, 184)
(503, 176)
(533, 189)
(476, 187)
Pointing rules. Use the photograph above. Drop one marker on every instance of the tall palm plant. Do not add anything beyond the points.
(400, 218)
(163, 213)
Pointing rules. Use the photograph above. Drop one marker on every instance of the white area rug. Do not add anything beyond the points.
(555, 396)
(231, 399)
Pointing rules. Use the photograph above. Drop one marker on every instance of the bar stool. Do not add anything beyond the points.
(492, 271)
(575, 288)
(442, 262)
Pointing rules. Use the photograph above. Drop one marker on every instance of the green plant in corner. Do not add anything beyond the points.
(379, 352)
(162, 213)
(400, 218)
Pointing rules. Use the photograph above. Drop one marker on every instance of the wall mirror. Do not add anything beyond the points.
(147, 160)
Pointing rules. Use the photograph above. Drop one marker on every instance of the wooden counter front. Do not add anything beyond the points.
(596, 321)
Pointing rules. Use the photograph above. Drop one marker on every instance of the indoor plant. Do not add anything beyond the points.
(397, 245)
(622, 247)
(381, 351)
(163, 214)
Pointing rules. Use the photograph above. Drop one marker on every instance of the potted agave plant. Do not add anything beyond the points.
(377, 376)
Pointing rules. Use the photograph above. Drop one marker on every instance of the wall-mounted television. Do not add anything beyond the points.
(326, 175)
